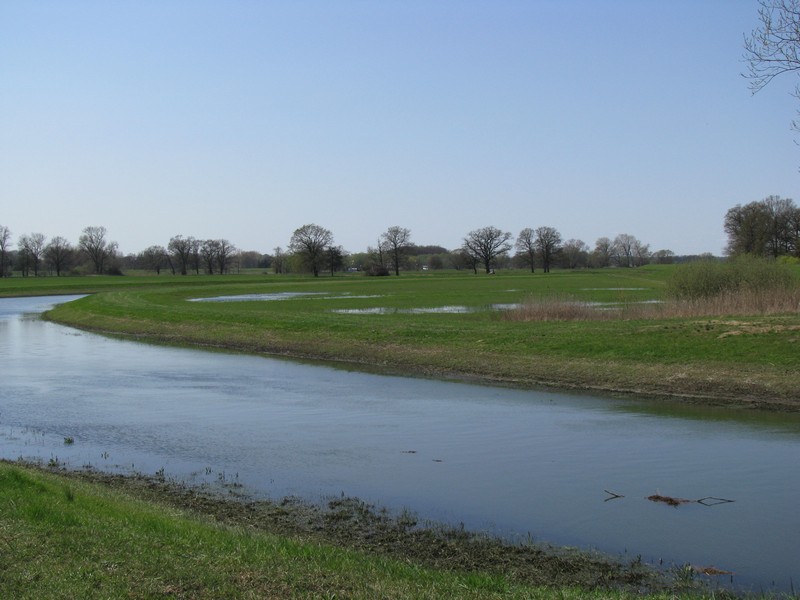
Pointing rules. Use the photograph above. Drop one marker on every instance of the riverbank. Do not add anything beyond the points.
(445, 327)
(90, 534)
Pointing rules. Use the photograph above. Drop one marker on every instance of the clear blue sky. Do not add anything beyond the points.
(247, 119)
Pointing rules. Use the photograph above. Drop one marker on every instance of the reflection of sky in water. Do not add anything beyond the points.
(388, 310)
(273, 297)
(512, 461)
(385, 310)
(277, 296)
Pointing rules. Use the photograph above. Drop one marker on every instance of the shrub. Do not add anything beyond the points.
(707, 279)
(377, 271)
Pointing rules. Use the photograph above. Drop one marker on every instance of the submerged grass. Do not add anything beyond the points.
(113, 537)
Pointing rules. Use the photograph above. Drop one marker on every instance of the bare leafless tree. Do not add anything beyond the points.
(32, 248)
(486, 244)
(624, 245)
(94, 244)
(773, 48)
(396, 240)
(548, 242)
(310, 242)
(226, 252)
(575, 252)
(155, 258)
(5, 242)
(279, 260)
(526, 247)
(181, 249)
(58, 254)
(603, 252)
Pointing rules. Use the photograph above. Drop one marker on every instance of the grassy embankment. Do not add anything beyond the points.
(64, 537)
(727, 359)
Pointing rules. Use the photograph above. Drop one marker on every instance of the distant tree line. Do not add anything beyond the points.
(312, 249)
(94, 253)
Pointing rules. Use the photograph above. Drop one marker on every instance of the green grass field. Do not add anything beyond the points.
(735, 360)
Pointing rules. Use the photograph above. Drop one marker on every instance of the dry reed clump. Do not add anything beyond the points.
(741, 302)
(744, 285)
(553, 309)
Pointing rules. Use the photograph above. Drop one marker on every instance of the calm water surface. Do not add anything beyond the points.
(509, 461)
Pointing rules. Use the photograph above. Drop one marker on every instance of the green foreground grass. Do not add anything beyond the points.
(731, 360)
(63, 537)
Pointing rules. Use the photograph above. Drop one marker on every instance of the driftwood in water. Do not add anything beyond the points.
(668, 500)
(707, 501)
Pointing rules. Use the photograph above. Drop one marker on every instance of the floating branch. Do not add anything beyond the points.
(669, 500)
(612, 496)
(707, 501)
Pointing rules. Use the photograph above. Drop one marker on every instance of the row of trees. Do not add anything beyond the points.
(312, 249)
(489, 248)
(185, 254)
(35, 252)
(768, 227)
(95, 253)
(485, 246)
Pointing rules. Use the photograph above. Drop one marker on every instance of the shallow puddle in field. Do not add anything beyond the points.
(272, 297)
(385, 310)
(277, 296)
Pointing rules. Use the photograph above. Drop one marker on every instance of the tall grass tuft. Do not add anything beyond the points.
(743, 286)
(558, 308)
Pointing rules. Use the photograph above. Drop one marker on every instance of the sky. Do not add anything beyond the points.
(247, 119)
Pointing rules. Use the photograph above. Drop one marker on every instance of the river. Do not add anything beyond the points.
(512, 462)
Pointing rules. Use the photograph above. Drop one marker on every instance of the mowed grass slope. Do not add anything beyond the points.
(731, 359)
